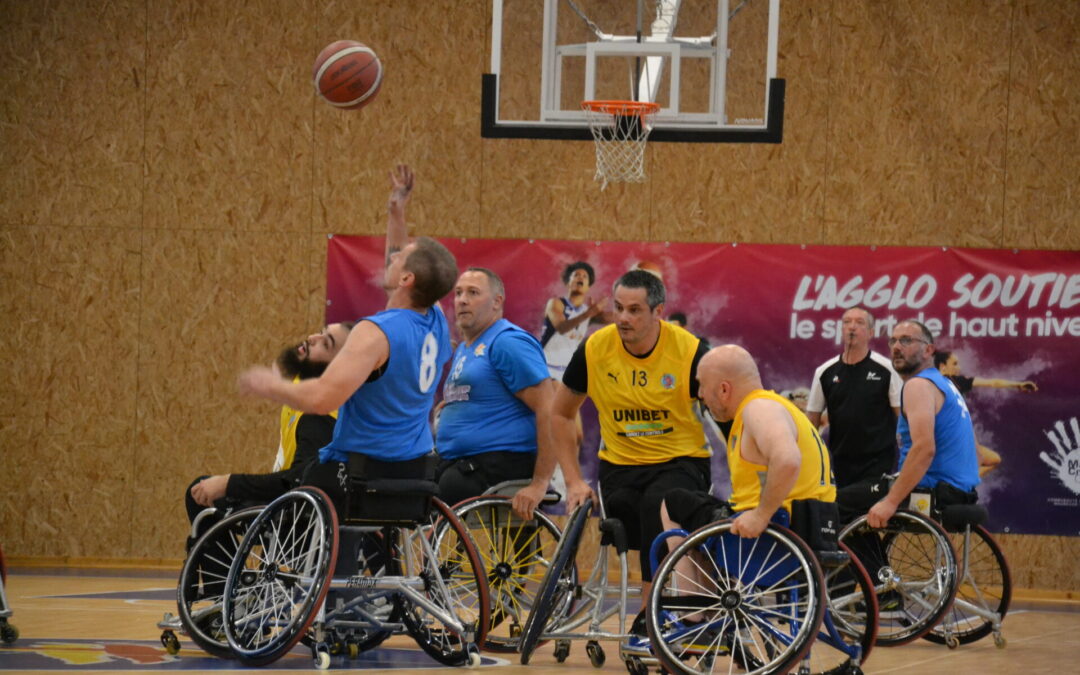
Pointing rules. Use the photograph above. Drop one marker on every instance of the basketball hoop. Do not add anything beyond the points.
(620, 129)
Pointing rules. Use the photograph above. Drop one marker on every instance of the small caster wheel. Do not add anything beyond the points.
(474, 659)
(1000, 641)
(352, 649)
(321, 656)
(951, 641)
(596, 654)
(515, 630)
(562, 650)
(804, 670)
(168, 640)
(635, 667)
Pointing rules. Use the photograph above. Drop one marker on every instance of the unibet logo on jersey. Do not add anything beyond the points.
(644, 405)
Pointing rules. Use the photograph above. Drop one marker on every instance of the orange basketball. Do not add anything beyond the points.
(347, 74)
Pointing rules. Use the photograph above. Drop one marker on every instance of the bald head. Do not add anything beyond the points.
(726, 375)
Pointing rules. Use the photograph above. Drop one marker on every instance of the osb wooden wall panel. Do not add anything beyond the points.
(1041, 200)
(917, 100)
(427, 114)
(760, 193)
(214, 303)
(228, 114)
(72, 112)
(71, 306)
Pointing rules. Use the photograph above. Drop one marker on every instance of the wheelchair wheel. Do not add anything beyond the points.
(201, 588)
(849, 627)
(445, 557)
(554, 592)
(986, 585)
(722, 603)
(913, 568)
(516, 554)
(280, 575)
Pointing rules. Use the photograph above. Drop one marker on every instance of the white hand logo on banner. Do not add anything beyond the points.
(1067, 463)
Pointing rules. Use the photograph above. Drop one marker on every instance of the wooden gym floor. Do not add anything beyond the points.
(96, 620)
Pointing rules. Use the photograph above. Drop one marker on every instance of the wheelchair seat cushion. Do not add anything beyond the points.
(390, 500)
(958, 516)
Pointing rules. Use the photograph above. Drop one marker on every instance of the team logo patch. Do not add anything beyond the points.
(667, 381)
(479, 351)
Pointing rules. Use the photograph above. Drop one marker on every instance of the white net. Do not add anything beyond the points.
(620, 129)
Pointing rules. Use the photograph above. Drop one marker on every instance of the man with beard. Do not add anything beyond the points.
(861, 394)
(302, 435)
(382, 382)
(937, 442)
(497, 399)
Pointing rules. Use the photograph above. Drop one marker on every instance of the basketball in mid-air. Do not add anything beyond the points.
(347, 74)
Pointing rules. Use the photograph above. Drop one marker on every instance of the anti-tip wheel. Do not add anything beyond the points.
(474, 660)
(8, 633)
(321, 656)
(952, 642)
(1000, 641)
(170, 642)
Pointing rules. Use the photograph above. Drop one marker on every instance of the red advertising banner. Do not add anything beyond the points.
(1008, 317)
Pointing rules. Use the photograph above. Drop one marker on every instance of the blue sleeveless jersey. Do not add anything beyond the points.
(388, 418)
(482, 414)
(955, 460)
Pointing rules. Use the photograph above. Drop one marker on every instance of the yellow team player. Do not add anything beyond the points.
(640, 372)
(775, 455)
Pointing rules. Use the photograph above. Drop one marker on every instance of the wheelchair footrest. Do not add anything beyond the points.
(832, 559)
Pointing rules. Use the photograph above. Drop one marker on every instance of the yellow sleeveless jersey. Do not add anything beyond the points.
(646, 413)
(747, 479)
(287, 444)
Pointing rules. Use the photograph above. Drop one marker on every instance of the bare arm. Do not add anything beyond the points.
(997, 383)
(539, 398)
(769, 438)
(564, 412)
(922, 400)
(554, 314)
(815, 418)
(365, 350)
(397, 231)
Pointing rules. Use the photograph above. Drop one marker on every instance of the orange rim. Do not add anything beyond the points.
(623, 108)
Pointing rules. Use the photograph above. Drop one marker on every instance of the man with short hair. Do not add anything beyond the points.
(860, 391)
(567, 318)
(937, 442)
(383, 379)
(301, 437)
(641, 373)
(496, 399)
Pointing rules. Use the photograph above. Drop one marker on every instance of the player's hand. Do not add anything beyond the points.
(527, 499)
(401, 185)
(1028, 386)
(750, 524)
(597, 308)
(880, 513)
(577, 492)
(209, 490)
(258, 381)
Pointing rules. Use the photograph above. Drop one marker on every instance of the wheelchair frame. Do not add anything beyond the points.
(279, 581)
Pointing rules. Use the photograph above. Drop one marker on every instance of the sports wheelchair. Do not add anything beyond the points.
(923, 588)
(723, 603)
(406, 565)
(8, 632)
(563, 604)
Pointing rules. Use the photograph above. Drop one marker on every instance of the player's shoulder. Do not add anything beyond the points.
(882, 362)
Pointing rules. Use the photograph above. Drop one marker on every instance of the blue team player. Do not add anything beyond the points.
(385, 376)
(937, 442)
(497, 399)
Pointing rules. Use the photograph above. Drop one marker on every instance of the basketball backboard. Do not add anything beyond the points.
(709, 64)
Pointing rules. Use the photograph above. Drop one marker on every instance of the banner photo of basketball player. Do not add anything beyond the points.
(1010, 321)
